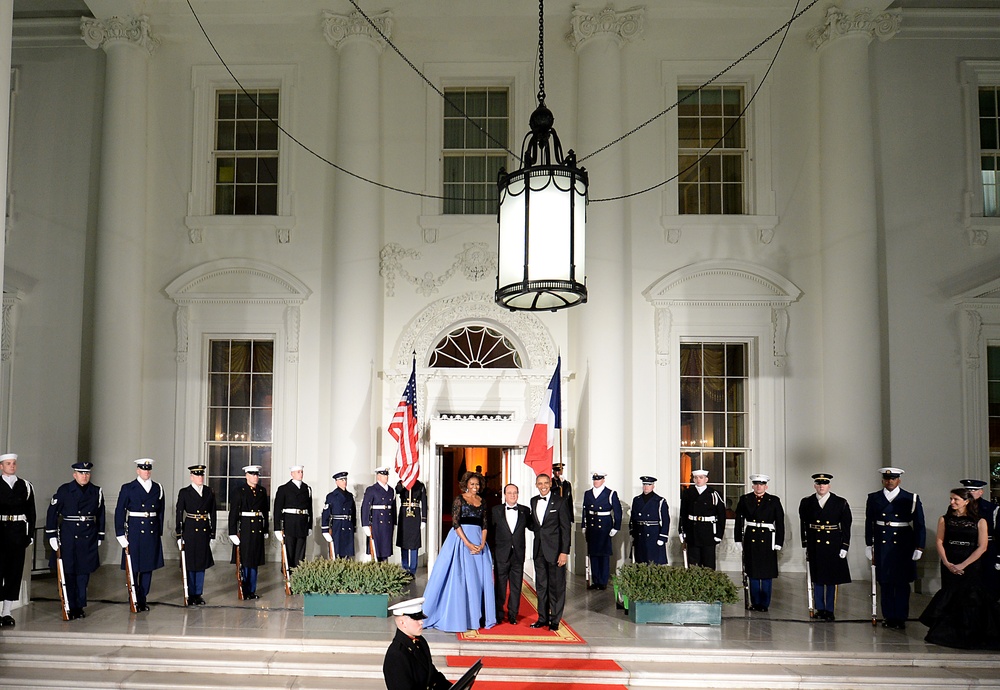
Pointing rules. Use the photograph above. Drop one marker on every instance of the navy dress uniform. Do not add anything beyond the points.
(17, 532)
(75, 524)
(601, 518)
(649, 524)
(760, 530)
(825, 521)
(703, 520)
(408, 664)
(895, 534)
(412, 516)
(293, 515)
(991, 559)
(340, 518)
(139, 527)
(249, 520)
(562, 488)
(378, 515)
(195, 530)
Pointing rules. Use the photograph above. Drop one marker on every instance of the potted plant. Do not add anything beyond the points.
(343, 587)
(680, 596)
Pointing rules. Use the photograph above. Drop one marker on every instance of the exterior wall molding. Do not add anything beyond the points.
(133, 30)
(621, 26)
(8, 329)
(838, 23)
(476, 262)
(339, 28)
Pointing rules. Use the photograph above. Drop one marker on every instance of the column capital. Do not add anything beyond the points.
(338, 28)
(621, 26)
(100, 33)
(837, 23)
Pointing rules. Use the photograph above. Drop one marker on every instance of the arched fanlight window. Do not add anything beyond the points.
(475, 347)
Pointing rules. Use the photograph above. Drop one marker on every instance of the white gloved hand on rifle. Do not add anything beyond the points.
(123, 540)
(328, 537)
(235, 539)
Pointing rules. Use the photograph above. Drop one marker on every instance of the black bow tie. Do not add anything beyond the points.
(511, 507)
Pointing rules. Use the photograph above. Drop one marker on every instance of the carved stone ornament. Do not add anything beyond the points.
(476, 262)
(882, 26)
(973, 335)
(9, 327)
(99, 33)
(337, 28)
(621, 26)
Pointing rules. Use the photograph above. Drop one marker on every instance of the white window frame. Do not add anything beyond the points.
(973, 74)
(979, 324)
(206, 81)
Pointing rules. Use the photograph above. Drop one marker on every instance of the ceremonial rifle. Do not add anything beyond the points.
(239, 574)
(746, 582)
(184, 575)
(130, 582)
(809, 590)
(874, 598)
(284, 569)
(61, 576)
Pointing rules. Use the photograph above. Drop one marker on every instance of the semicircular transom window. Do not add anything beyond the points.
(475, 347)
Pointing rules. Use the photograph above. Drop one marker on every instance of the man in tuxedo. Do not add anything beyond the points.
(510, 522)
(551, 524)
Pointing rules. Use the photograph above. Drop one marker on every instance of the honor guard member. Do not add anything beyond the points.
(195, 531)
(825, 521)
(562, 488)
(760, 532)
(293, 515)
(412, 516)
(139, 527)
(340, 518)
(894, 536)
(75, 522)
(649, 524)
(17, 530)
(991, 559)
(602, 518)
(703, 520)
(249, 522)
(408, 664)
(378, 515)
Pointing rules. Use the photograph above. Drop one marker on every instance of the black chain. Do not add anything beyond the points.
(541, 53)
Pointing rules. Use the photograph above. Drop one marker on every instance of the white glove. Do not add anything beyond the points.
(659, 542)
(739, 545)
(54, 543)
(266, 535)
(917, 553)
(368, 531)
(31, 541)
(180, 544)
(870, 552)
(680, 535)
(997, 566)
(235, 539)
(718, 540)
(123, 540)
(99, 542)
(328, 537)
(279, 535)
(777, 547)
(843, 553)
(309, 531)
(614, 532)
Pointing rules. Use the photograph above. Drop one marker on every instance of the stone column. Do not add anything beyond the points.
(602, 325)
(852, 357)
(116, 414)
(352, 288)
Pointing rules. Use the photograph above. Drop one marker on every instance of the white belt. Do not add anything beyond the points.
(892, 524)
(382, 507)
(196, 516)
(80, 518)
(648, 524)
(141, 515)
(601, 513)
(252, 513)
(13, 518)
(341, 517)
(764, 525)
(295, 511)
(703, 518)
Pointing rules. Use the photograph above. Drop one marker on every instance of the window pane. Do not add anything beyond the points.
(736, 437)
(261, 426)
(713, 462)
(715, 395)
(691, 394)
(267, 136)
(237, 460)
(469, 177)
(225, 136)
(225, 199)
(988, 102)
(261, 396)
(688, 133)
(736, 360)
(691, 430)
(246, 135)
(687, 100)
(710, 128)
(711, 102)
(245, 107)
(218, 424)
(218, 390)
(246, 170)
(711, 131)
(245, 202)
(454, 169)
(475, 136)
(242, 126)
(497, 104)
(267, 200)
(225, 170)
(454, 134)
(475, 347)
(268, 102)
(267, 170)
(475, 169)
(732, 199)
(715, 430)
(475, 103)
(735, 395)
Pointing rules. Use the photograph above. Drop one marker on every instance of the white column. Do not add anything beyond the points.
(352, 288)
(116, 423)
(852, 370)
(602, 325)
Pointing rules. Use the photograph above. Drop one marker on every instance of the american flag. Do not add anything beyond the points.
(403, 428)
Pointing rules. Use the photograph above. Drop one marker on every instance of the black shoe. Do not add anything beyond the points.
(752, 607)
(76, 613)
(251, 595)
(591, 586)
(554, 627)
(7, 622)
(512, 620)
(141, 608)
(539, 624)
(201, 601)
(762, 609)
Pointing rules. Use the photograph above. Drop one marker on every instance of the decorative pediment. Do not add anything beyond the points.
(722, 283)
(237, 281)
(988, 294)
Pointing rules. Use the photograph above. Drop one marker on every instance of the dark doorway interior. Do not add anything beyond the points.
(455, 461)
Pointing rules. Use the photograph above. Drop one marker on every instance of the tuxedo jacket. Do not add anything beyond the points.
(553, 533)
(510, 545)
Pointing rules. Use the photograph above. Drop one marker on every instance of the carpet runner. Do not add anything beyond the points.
(552, 680)
(523, 632)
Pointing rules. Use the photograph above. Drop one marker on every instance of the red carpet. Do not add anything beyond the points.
(536, 662)
(541, 685)
(523, 632)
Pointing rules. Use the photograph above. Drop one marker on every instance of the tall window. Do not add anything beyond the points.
(993, 410)
(714, 387)
(240, 385)
(989, 144)
(246, 153)
(475, 347)
(717, 183)
(472, 160)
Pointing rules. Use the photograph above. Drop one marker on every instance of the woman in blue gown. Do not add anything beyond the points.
(459, 594)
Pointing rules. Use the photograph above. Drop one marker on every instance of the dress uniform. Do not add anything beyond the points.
(562, 488)
(601, 518)
(249, 522)
(649, 524)
(408, 664)
(895, 535)
(991, 559)
(825, 521)
(17, 532)
(703, 520)
(139, 526)
(340, 518)
(195, 531)
(293, 515)
(760, 530)
(75, 524)
(378, 515)
(412, 516)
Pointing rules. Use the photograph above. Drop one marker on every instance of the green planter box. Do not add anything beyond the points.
(685, 613)
(375, 605)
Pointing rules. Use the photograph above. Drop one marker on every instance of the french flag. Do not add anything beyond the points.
(539, 454)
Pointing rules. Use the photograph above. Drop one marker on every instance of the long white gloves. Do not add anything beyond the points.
(917, 553)
(279, 535)
(843, 553)
(614, 532)
(54, 543)
(328, 537)
(870, 552)
(368, 531)
(123, 540)
(777, 547)
(235, 539)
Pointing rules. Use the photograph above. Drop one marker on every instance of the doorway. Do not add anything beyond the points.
(491, 462)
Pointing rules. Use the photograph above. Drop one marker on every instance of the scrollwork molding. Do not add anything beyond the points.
(135, 31)
(622, 26)
(338, 28)
(838, 23)
(475, 261)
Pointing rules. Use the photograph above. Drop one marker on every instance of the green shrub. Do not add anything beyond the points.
(662, 584)
(343, 576)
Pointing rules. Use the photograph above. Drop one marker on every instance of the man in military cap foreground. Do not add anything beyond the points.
(378, 515)
(408, 664)
(760, 532)
(649, 524)
(894, 536)
(340, 518)
(293, 515)
(17, 529)
(825, 520)
(139, 527)
(703, 520)
(601, 518)
(249, 520)
(195, 529)
(75, 522)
